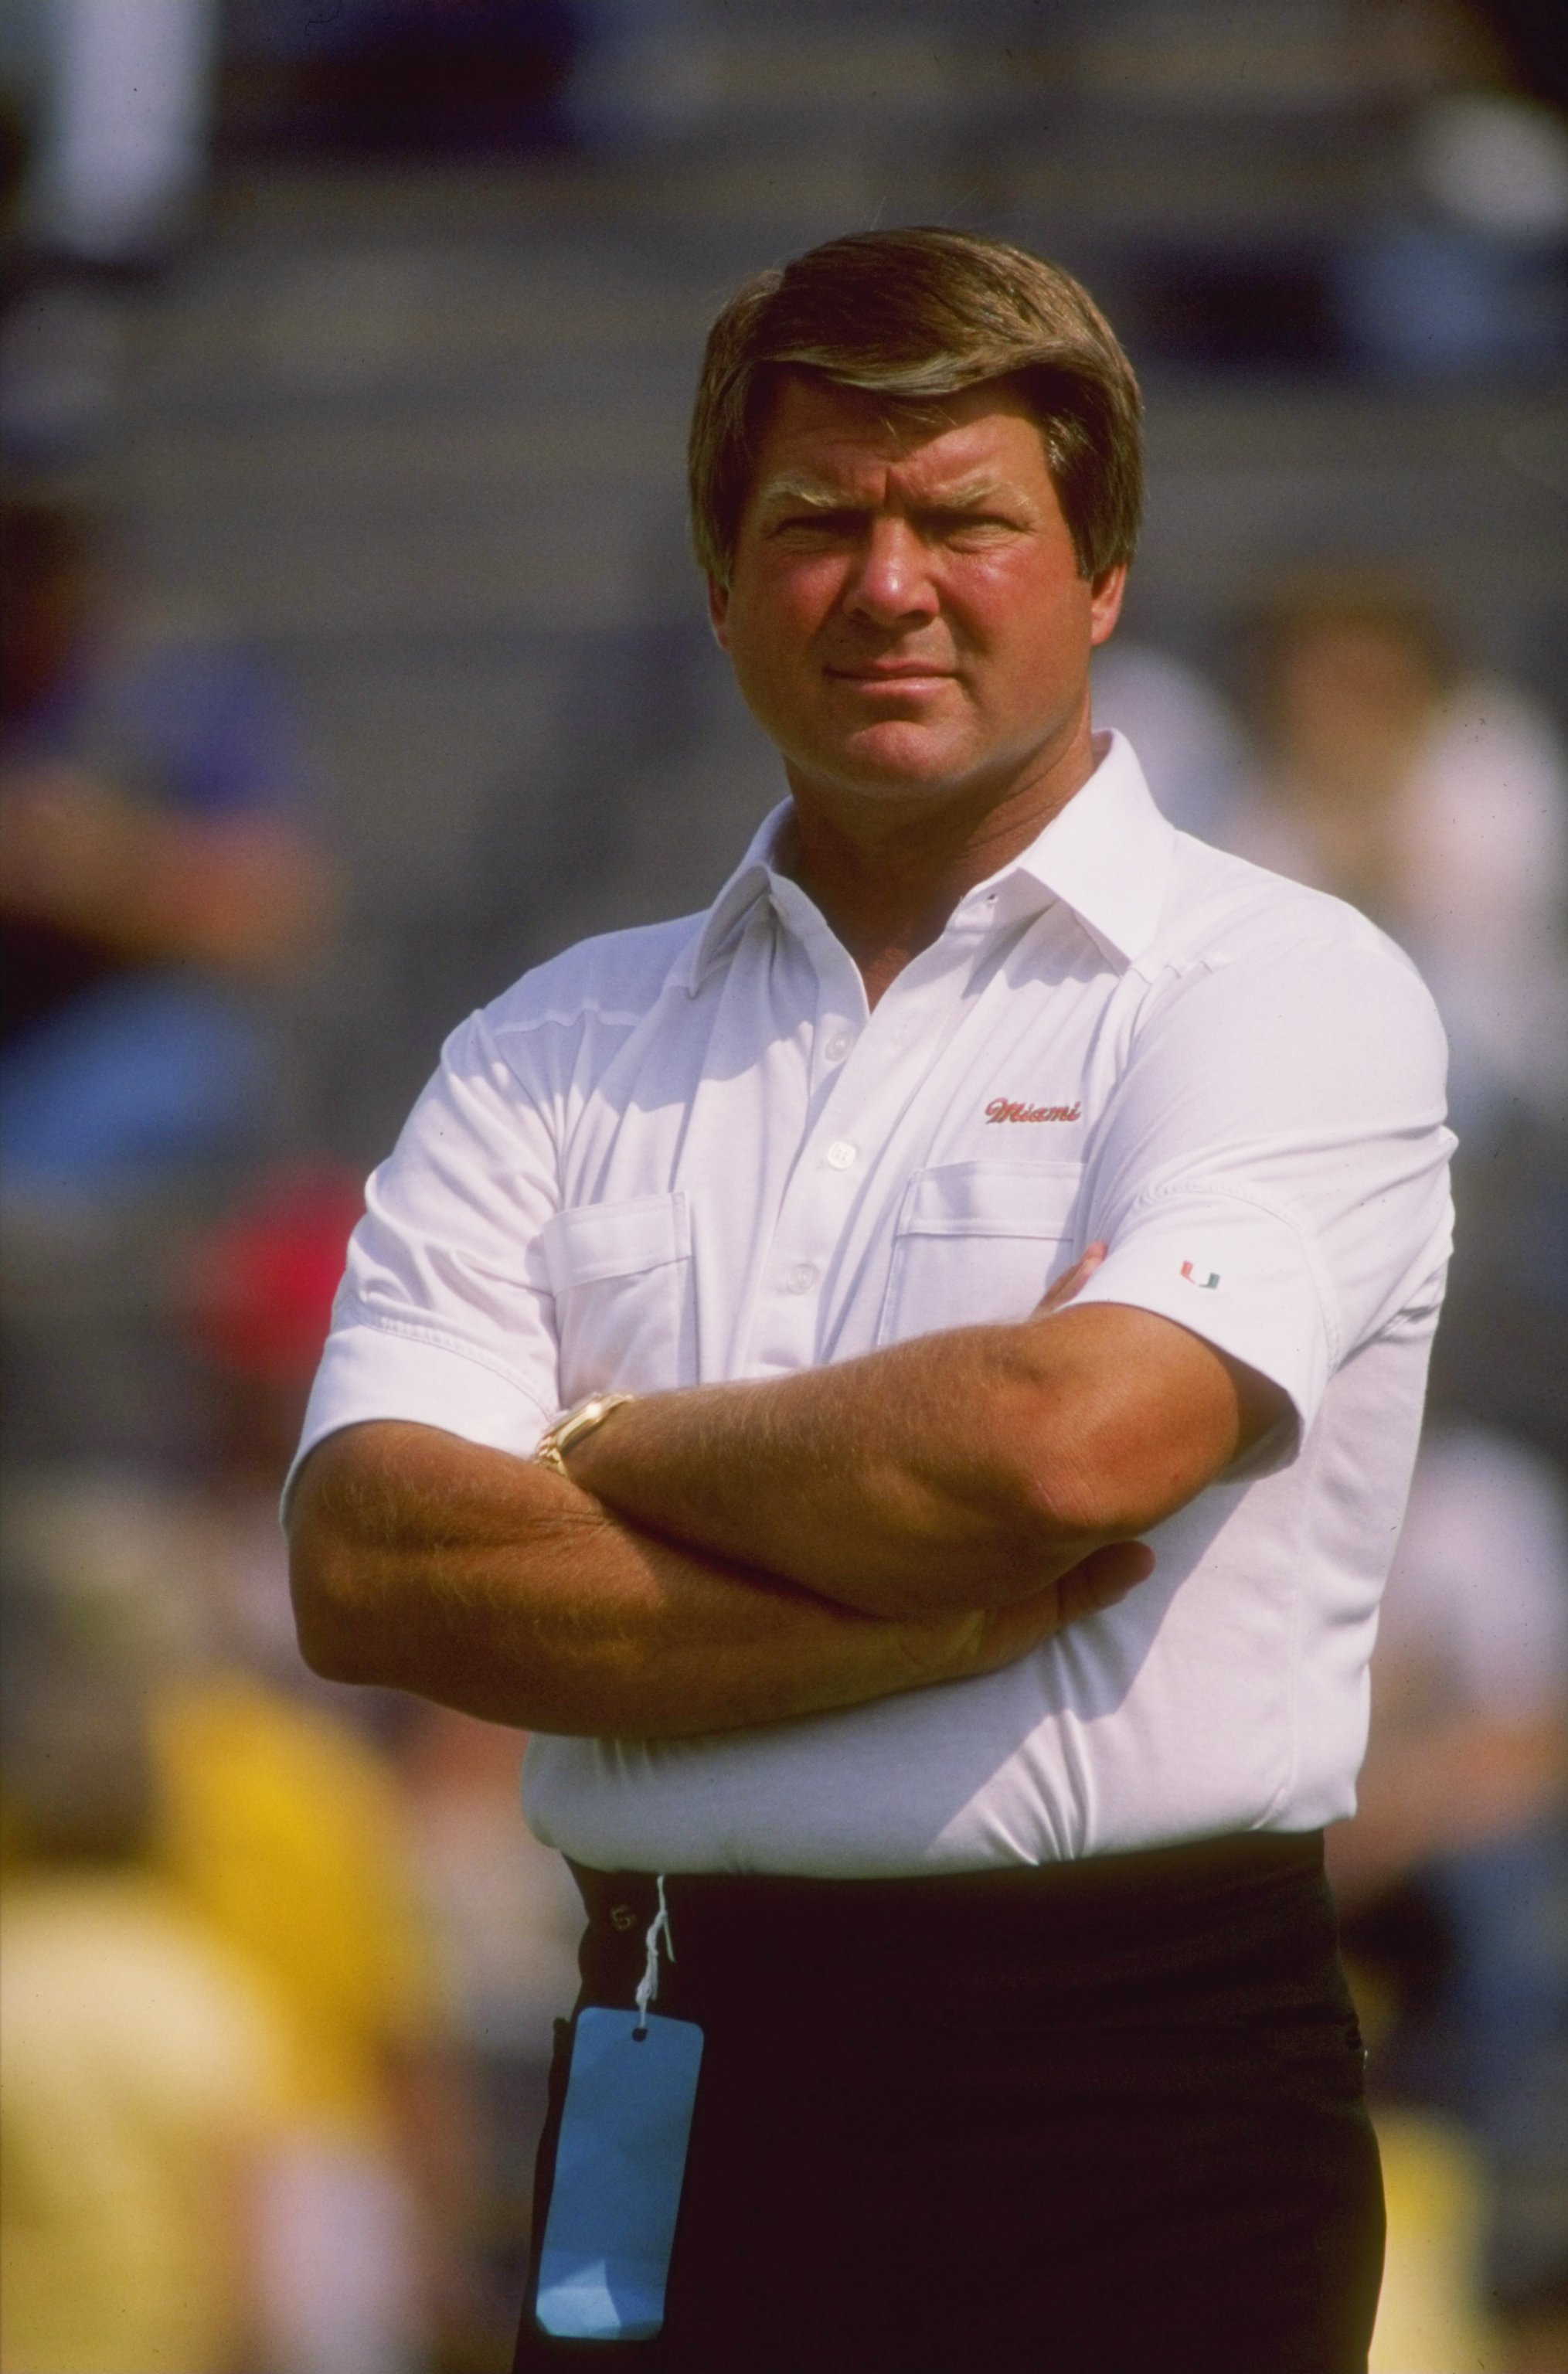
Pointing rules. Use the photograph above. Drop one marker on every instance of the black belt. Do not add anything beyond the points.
(1139, 1919)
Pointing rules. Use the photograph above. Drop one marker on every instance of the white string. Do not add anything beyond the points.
(648, 1985)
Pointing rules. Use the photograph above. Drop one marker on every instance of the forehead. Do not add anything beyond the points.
(815, 429)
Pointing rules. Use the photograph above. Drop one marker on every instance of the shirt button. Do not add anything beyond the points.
(801, 1279)
(838, 1047)
(841, 1155)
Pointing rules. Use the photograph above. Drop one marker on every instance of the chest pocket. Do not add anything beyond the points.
(977, 1243)
(622, 1277)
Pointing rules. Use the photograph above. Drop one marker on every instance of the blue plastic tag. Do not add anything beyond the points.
(619, 2164)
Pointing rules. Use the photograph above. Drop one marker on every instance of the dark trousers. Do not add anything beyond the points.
(1101, 2118)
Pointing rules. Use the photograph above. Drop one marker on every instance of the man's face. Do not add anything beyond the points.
(905, 615)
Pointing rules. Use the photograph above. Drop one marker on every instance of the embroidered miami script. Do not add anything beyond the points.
(1002, 1108)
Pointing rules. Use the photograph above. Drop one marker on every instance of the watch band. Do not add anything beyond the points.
(572, 1425)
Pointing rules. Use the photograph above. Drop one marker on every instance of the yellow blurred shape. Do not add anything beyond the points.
(139, 2068)
(1429, 2319)
(287, 1833)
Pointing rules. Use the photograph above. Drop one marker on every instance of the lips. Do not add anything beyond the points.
(892, 676)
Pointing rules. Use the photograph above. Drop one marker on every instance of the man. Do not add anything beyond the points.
(980, 1669)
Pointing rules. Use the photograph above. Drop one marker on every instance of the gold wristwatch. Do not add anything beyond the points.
(572, 1425)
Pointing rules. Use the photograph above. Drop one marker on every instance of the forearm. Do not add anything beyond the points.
(964, 1469)
(243, 894)
(431, 1565)
(876, 1482)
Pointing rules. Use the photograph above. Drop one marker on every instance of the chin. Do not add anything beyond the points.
(898, 761)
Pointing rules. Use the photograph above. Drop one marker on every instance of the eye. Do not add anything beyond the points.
(969, 527)
(816, 526)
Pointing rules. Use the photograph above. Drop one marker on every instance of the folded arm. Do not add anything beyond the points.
(966, 1469)
(423, 1562)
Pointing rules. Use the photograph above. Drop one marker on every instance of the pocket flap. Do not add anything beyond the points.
(990, 1199)
(599, 1241)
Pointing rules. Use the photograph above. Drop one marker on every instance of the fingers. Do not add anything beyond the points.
(1102, 1577)
(1072, 1281)
(1005, 1634)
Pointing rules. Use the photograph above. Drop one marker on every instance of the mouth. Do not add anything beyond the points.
(904, 678)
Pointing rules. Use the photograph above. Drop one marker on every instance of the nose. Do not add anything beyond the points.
(891, 582)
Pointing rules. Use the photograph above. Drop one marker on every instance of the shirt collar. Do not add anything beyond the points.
(1106, 855)
(753, 878)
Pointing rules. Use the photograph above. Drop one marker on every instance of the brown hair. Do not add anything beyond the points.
(917, 315)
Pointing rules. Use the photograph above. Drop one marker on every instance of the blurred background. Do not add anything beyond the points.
(354, 660)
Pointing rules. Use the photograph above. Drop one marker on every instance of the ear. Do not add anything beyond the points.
(718, 612)
(1105, 602)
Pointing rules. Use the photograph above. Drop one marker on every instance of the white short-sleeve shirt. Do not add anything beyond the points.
(689, 1153)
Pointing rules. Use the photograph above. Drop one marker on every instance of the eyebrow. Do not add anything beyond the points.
(793, 489)
(816, 495)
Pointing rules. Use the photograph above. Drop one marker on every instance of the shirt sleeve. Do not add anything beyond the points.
(445, 1316)
(1272, 1171)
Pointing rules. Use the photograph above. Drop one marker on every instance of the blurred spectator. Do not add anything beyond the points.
(254, 1294)
(140, 2067)
(279, 1822)
(1470, 1673)
(502, 1915)
(122, 151)
(373, 2212)
(1188, 744)
(1438, 803)
(154, 871)
(1429, 2311)
(282, 1831)
(288, 1835)
(509, 1919)
(1452, 1878)
(1471, 276)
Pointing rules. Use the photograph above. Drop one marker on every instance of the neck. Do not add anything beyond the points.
(888, 874)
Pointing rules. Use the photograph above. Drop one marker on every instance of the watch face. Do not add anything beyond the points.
(587, 1417)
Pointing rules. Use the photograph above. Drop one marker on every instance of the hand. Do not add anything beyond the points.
(954, 1649)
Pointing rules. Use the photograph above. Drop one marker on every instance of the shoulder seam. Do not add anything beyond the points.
(562, 1017)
